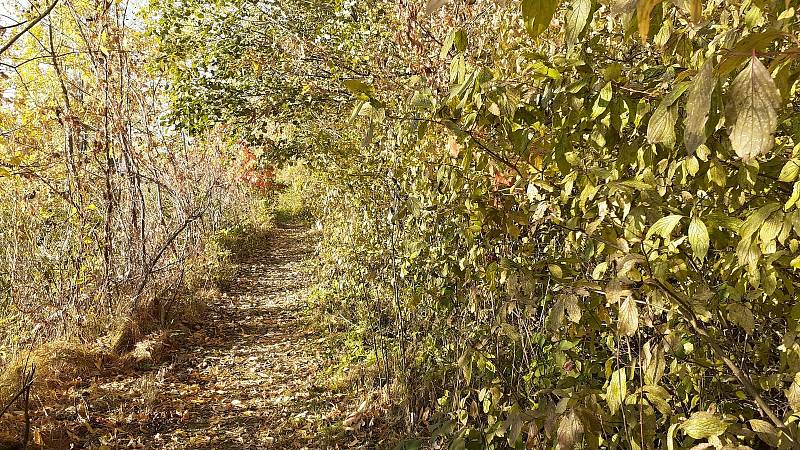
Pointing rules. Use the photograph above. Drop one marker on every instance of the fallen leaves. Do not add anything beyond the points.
(246, 379)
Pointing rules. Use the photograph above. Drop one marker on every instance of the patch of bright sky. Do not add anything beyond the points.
(11, 11)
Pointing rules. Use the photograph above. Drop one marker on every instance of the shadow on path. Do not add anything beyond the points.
(245, 378)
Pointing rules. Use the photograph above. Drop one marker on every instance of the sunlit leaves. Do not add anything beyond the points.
(755, 100)
(357, 87)
(790, 170)
(793, 393)
(664, 226)
(570, 429)
(654, 362)
(743, 49)
(765, 431)
(698, 105)
(576, 20)
(703, 425)
(644, 8)
(602, 101)
(584, 110)
(538, 14)
(661, 127)
(617, 390)
(628, 317)
(698, 238)
(793, 198)
(748, 250)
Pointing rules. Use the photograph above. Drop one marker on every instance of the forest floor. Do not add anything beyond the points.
(250, 375)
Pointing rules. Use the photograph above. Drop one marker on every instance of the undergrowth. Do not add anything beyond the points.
(142, 339)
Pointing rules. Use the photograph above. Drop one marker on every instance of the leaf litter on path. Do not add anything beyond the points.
(246, 378)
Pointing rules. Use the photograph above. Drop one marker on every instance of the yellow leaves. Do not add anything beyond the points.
(698, 105)
(703, 424)
(755, 100)
(766, 432)
(538, 14)
(659, 398)
(617, 390)
(628, 318)
(793, 198)
(653, 362)
(615, 291)
(361, 89)
(644, 8)
(570, 429)
(661, 127)
(695, 10)
(602, 101)
(573, 308)
(717, 173)
(790, 170)
(793, 393)
(576, 20)
(698, 238)
(664, 226)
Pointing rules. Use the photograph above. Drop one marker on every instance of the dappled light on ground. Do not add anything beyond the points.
(249, 378)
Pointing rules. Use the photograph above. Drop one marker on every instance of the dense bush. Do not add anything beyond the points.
(554, 224)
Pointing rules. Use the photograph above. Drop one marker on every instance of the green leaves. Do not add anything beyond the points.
(653, 362)
(537, 15)
(742, 315)
(661, 127)
(703, 425)
(576, 20)
(766, 432)
(738, 54)
(358, 87)
(754, 111)
(755, 220)
(628, 317)
(790, 170)
(698, 238)
(602, 101)
(664, 226)
(698, 106)
(595, 254)
(617, 390)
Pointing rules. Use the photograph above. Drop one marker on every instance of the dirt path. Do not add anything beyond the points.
(248, 378)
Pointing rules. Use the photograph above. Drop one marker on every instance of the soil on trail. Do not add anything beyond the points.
(247, 377)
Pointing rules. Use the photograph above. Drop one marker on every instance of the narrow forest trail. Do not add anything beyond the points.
(248, 378)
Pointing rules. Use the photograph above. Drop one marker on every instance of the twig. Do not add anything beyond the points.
(743, 378)
(26, 386)
(28, 27)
